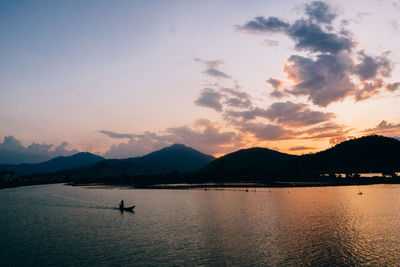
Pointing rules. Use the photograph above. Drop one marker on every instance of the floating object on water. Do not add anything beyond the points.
(359, 192)
(127, 208)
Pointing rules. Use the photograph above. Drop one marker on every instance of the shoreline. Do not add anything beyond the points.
(260, 185)
(206, 186)
(214, 185)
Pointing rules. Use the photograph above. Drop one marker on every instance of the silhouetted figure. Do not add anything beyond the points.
(121, 205)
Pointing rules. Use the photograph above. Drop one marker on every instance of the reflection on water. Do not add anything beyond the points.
(63, 225)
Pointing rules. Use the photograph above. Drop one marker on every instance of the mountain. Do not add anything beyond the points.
(53, 165)
(375, 154)
(173, 158)
(246, 163)
(177, 157)
(372, 153)
(13, 152)
(11, 157)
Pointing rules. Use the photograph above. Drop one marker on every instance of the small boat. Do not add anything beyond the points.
(359, 191)
(127, 208)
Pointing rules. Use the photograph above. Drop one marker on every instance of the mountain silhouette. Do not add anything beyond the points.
(10, 157)
(372, 153)
(369, 154)
(53, 165)
(13, 152)
(177, 157)
(181, 164)
(246, 163)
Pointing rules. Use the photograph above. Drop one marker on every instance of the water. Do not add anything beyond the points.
(56, 225)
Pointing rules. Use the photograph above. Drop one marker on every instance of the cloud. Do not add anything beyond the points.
(203, 135)
(236, 98)
(12, 151)
(285, 113)
(309, 36)
(325, 79)
(326, 127)
(369, 89)
(326, 135)
(261, 25)
(280, 121)
(210, 98)
(222, 97)
(212, 68)
(393, 86)
(329, 77)
(267, 131)
(320, 12)
(278, 94)
(275, 83)
(216, 73)
(306, 32)
(61, 149)
(237, 102)
(274, 132)
(370, 67)
(246, 115)
(324, 131)
(277, 122)
(330, 70)
(299, 148)
(296, 114)
(116, 135)
(333, 70)
(35, 148)
(12, 144)
(138, 146)
(384, 127)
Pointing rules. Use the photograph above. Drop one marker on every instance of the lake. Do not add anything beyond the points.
(57, 225)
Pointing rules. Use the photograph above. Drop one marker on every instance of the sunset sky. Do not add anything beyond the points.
(124, 78)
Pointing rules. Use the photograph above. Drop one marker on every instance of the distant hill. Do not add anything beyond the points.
(372, 153)
(179, 164)
(377, 154)
(177, 157)
(246, 163)
(53, 165)
(11, 157)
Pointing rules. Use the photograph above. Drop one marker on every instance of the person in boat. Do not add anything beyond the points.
(121, 205)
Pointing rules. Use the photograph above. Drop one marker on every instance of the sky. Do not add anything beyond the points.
(124, 78)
